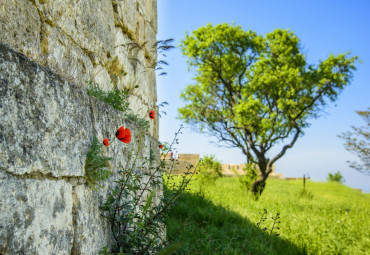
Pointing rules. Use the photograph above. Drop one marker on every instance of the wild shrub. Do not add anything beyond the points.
(209, 170)
(336, 177)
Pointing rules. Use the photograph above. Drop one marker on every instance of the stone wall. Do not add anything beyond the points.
(89, 40)
(191, 158)
(182, 163)
(46, 128)
(232, 169)
(238, 169)
(50, 51)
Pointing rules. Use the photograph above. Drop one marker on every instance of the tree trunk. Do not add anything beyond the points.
(258, 186)
(260, 183)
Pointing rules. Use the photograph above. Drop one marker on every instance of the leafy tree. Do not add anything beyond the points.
(254, 92)
(358, 142)
(336, 177)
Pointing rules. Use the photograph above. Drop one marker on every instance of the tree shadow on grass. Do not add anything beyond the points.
(200, 227)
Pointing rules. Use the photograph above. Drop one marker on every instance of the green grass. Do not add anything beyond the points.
(336, 220)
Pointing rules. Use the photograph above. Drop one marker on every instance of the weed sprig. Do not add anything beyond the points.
(271, 231)
(274, 224)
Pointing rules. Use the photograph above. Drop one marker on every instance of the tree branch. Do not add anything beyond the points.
(282, 152)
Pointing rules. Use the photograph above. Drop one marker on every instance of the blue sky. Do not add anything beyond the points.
(324, 27)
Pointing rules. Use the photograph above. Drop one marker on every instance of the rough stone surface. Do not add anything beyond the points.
(92, 231)
(45, 123)
(36, 216)
(79, 40)
(64, 58)
(46, 128)
(20, 27)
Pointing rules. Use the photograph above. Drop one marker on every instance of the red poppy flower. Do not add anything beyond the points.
(151, 114)
(160, 146)
(124, 135)
(106, 142)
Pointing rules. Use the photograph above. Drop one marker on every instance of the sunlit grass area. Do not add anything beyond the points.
(329, 218)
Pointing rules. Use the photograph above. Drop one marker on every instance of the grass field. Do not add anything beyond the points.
(223, 219)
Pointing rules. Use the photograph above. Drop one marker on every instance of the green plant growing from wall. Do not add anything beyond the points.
(96, 167)
(161, 105)
(116, 98)
(160, 47)
(141, 122)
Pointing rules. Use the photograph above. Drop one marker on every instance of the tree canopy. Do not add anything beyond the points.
(358, 142)
(254, 92)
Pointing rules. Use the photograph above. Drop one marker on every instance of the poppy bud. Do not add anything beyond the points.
(151, 114)
(106, 142)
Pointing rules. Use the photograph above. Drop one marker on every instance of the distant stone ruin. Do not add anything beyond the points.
(179, 165)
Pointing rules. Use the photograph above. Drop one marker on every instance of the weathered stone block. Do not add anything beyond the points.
(89, 23)
(150, 37)
(140, 28)
(126, 56)
(66, 58)
(91, 230)
(126, 11)
(149, 10)
(45, 122)
(20, 27)
(36, 216)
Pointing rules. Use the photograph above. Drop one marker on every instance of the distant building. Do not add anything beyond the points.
(238, 169)
(296, 178)
(183, 162)
(232, 169)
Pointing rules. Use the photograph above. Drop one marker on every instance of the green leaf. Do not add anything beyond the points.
(148, 201)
